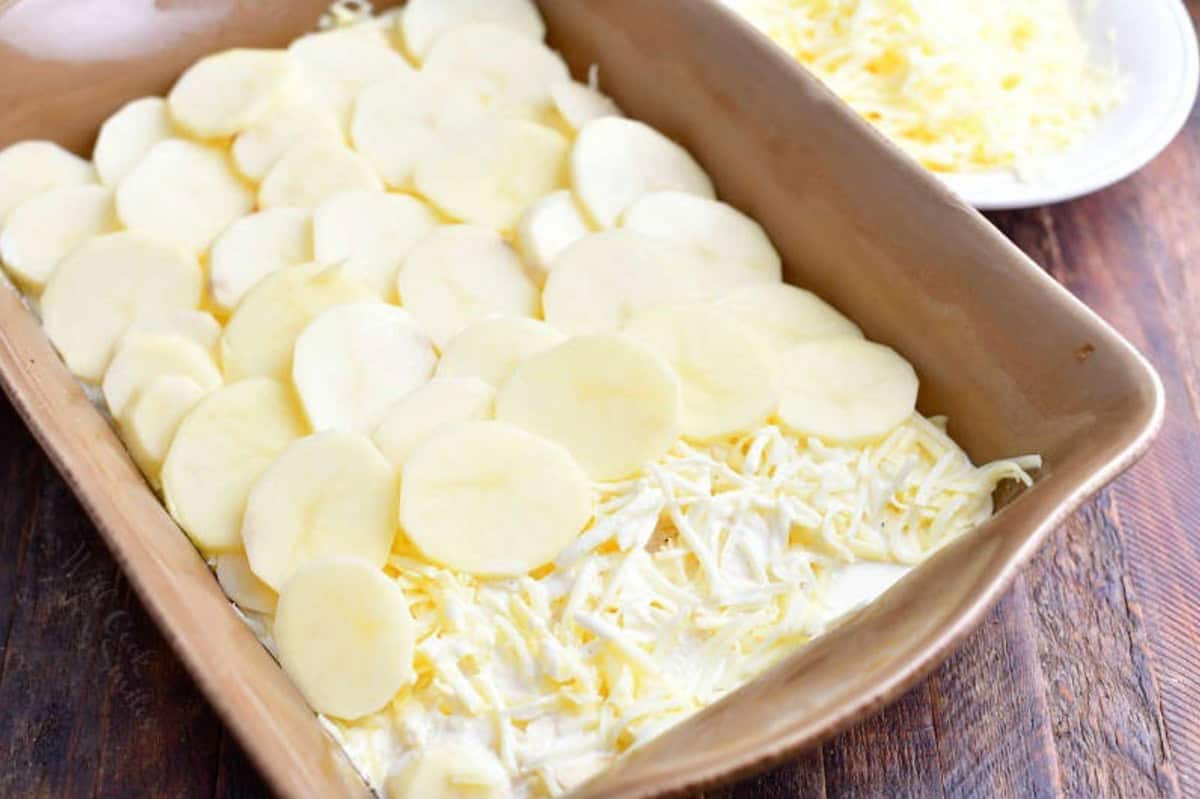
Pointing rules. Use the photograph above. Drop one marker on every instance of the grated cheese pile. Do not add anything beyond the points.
(961, 85)
(694, 578)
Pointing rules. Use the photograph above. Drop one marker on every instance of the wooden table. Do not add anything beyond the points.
(1085, 680)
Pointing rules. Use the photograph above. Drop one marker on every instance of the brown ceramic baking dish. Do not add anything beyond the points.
(1018, 364)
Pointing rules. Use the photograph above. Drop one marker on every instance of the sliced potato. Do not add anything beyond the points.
(460, 274)
(259, 337)
(183, 193)
(128, 135)
(451, 771)
(218, 452)
(370, 234)
(354, 361)
(845, 390)
(345, 636)
(717, 231)
(104, 285)
(344, 61)
(254, 247)
(783, 316)
(425, 21)
(610, 400)
(327, 494)
(150, 420)
(197, 326)
(615, 161)
(225, 93)
(488, 172)
(143, 358)
(260, 146)
(727, 377)
(492, 349)
(517, 70)
(400, 122)
(41, 231)
(243, 586)
(489, 498)
(547, 228)
(314, 171)
(29, 168)
(599, 283)
(429, 410)
(578, 103)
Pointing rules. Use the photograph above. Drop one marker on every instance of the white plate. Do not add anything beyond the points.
(1155, 48)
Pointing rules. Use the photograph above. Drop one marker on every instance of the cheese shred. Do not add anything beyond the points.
(961, 85)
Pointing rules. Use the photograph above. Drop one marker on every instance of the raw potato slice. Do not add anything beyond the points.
(354, 361)
(107, 283)
(345, 636)
(146, 357)
(259, 337)
(254, 247)
(195, 326)
(424, 21)
(845, 390)
(242, 586)
(150, 420)
(184, 193)
(398, 123)
(460, 274)
(450, 771)
(717, 231)
(610, 400)
(489, 498)
(727, 377)
(128, 135)
(42, 230)
(314, 171)
(491, 349)
(429, 410)
(29, 168)
(370, 233)
(578, 103)
(225, 93)
(328, 494)
(547, 228)
(616, 160)
(518, 70)
(783, 316)
(599, 283)
(488, 172)
(260, 146)
(220, 449)
(345, 61)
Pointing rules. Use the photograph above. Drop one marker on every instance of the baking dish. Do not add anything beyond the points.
(1011, 357)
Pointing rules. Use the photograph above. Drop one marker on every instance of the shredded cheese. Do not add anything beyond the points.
(695, 577)
(961, 85)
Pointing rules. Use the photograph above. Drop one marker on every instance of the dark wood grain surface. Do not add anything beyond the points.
(1083, 682)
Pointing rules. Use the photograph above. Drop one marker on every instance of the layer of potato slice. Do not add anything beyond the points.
(29, 168)
(126, 137)
(258, 339)
(254, 247)
(104, 285)
(184, 193)
(354, 361)
(227, 92)
(345, 636)
(610, 400)
(459, 274)
(143, 358)
(491, 349)
(41, 231)
(487, 173)
(489, 498)
(150, 420)
(217, 454)
(429, 410)
(331, 493)
(423, 22)
(314, 171)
